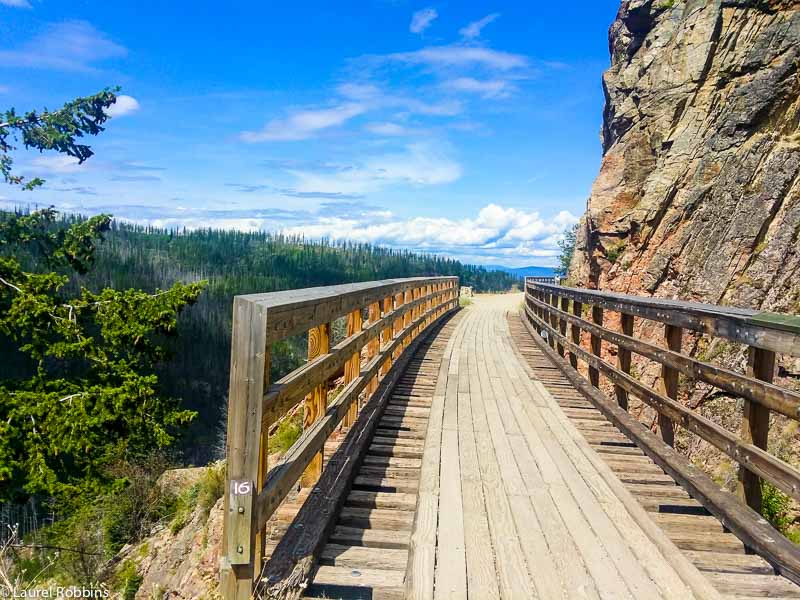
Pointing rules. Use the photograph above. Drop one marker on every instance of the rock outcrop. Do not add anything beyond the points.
(698, 195)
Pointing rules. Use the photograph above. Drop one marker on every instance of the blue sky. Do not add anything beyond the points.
(468, 129)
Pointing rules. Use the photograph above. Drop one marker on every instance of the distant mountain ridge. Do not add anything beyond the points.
(531, 271)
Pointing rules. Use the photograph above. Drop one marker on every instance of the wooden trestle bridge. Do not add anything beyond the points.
(489, 452)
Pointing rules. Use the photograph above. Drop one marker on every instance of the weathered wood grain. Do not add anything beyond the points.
(755, 460)
(784, 401)
(779, 333)
(745, 523)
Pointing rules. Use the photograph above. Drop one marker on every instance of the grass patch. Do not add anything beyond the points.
(289, 431)
(203, 495)
(463, 301)
(128, 580)
(775, 507)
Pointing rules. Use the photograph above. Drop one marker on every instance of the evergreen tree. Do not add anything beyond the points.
(89, 396)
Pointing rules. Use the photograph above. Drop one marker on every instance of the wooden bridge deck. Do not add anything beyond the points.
(490, 476)
(524, 507)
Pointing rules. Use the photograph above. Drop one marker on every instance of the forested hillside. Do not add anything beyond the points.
(233, 263)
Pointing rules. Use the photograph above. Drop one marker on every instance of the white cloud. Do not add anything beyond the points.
(16, 3)
(374, 98)
(461, 56)
(67, 46)
(473, 30)
(56, 164)
(303, 124)
(419, 164)
(487, 88)
(123, 106)
(391, 129)
(422, 19)
(494, 232)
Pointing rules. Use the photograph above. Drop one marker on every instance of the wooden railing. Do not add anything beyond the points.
(552, 310)
(397, 311)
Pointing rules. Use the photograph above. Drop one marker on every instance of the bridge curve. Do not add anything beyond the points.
(473, 460)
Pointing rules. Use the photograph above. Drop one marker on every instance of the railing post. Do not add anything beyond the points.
(624, 359)
(755, 424)
(386, 335)
(577, 310)
(398, 324)
(551, 318)
(352, 367)
(374, 345)
(246, 450)
(596, 344)
(316, 402)
(669, 382)
(562, 323)
(407, 297)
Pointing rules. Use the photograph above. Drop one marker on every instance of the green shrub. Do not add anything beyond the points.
(613, 252)
(212, 487)
(289, 431)
(775, 507)
(128, 580)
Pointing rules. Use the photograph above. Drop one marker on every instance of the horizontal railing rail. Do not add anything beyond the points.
(397, 311)
(553, 310)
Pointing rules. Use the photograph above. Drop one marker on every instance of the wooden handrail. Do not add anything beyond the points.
(769, 331)
(786, 402)
(547, 310)
(253, 489)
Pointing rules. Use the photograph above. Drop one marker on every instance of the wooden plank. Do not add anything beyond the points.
(480, 563)
(604, 481)
(291, 564)
(499, 470)
(729, 563)
(755, 425)
(745, 523)
(390, 520)
(450, 575)
(754, 585)
(340, 582)
(358, 557)
(584, 495)
(783, 476)
(420, 571)
(556, 565)
(370, 538)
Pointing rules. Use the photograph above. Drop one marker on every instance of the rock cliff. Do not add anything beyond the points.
(698, 195)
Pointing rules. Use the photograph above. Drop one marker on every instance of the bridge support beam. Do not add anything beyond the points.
(319, 342)
(246, 450)
(596, 343)
(624, 359)
(755, 424)
(669, 382)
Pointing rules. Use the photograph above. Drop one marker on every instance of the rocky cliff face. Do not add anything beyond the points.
(698, 195)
